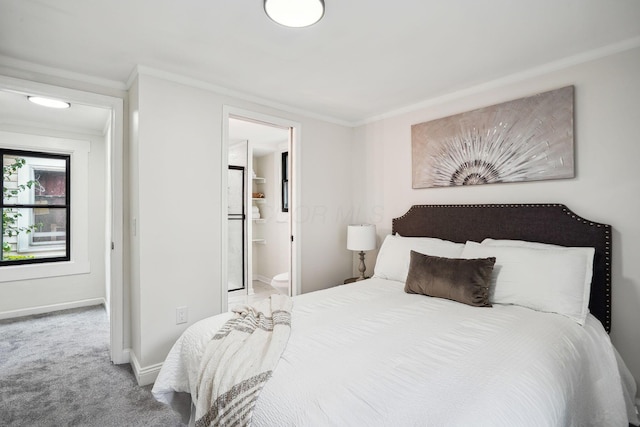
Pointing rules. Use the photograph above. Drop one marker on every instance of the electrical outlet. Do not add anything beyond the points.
(181, 315)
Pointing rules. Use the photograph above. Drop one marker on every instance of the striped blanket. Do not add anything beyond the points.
(239, 360)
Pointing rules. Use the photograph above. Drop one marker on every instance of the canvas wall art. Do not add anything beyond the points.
(527, 139)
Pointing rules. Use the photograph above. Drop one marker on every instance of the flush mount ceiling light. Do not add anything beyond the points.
(294, 13)
(48, 102)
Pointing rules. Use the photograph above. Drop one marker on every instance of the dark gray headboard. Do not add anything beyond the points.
(545, 223)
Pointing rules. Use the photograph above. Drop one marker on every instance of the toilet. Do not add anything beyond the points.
(281, 283)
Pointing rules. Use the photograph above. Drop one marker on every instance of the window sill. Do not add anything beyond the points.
(41, 271)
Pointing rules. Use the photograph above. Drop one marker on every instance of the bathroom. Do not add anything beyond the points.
(259, 230)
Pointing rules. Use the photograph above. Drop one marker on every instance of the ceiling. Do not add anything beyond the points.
(364, 59)
(16, 110)
(264, 139)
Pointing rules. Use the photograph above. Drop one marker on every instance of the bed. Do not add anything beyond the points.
(526, 344)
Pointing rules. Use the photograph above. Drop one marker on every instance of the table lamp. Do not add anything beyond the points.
(361, 237)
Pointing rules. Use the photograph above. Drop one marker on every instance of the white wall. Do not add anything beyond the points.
(273, 257)
(23, 297)
(238, 154)
(176, 252)
(177, 166)
(606, 187)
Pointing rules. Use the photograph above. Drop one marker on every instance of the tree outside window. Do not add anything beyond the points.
(35, 207)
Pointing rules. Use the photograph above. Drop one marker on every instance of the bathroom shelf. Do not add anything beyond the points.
(260, 241)
(259, 180)
(259, 200)
(259, 220)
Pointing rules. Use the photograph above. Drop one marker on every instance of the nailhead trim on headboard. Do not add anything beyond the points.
(452, 225)
(607, 257)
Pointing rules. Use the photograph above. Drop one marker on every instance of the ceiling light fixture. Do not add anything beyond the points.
(48, 102)
(294, 13)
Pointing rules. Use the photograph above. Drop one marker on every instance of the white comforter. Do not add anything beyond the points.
(368, 354)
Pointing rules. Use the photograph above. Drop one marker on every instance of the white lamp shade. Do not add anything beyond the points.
(361, 237)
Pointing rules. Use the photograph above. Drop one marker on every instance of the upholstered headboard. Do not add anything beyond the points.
(545, 223)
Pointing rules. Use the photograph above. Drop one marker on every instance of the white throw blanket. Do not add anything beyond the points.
(239, 360)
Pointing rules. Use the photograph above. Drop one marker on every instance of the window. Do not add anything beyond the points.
(285, 181)
(35, 207)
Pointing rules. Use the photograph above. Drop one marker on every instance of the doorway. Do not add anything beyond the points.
(266, 147)
(96, 120)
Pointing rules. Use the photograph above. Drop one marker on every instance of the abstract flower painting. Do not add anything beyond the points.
(528, 139)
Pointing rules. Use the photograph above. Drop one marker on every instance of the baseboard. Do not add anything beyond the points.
(262, 279)
(107, 308)
(122, 357)
(50, 308)
(144, 375)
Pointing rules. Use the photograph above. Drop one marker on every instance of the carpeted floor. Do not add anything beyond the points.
(55, 371)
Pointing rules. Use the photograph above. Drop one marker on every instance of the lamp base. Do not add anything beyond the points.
(362, 268)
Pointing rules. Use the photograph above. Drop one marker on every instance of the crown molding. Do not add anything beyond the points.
(27, 126)
(23, 67)
(142, 70)
(541, 70)
(612, 49)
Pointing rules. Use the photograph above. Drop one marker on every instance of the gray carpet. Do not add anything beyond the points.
(55, 371)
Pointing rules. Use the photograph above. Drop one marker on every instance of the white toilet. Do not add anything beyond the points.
(281, 283)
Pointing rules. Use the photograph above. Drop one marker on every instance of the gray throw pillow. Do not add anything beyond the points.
(463, 280)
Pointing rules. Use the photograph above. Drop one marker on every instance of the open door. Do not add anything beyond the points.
(237, 229)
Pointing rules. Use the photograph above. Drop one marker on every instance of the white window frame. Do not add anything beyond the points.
(79, 256)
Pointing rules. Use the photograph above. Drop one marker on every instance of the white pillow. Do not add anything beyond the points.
(544, 278)
(588, 252)
(395, 254)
